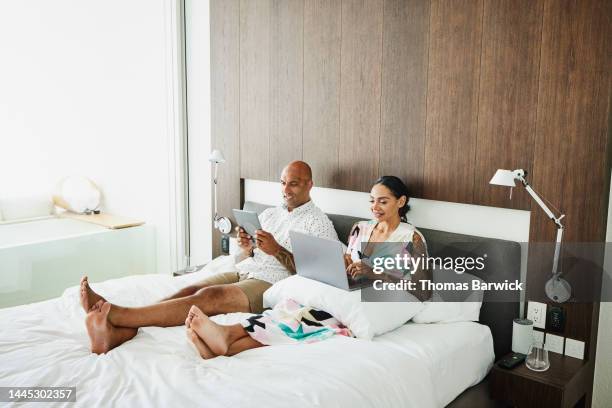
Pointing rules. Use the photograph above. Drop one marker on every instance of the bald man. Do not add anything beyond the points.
(257, 268)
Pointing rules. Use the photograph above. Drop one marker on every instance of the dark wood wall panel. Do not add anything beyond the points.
(508, 98)
(224, 45)
(404, 91)
(441, 93)
(452, 100)
(322, 31)
(255, 33)
(360, 91)
(572, 145)
(574, 88)
(286, 84)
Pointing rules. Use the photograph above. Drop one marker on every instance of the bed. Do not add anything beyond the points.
(416, 365)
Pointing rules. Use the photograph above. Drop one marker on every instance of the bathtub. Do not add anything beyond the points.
(40, 259)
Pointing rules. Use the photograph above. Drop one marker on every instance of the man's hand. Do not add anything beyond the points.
(244, 241)
(267, 243)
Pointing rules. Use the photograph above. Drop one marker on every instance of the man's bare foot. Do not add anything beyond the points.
(202, 348)
(104, 336)
(88, 296)
(97, 306)
(214, 335)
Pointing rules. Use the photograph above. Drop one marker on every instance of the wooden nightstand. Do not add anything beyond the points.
(562, 385)
(184, 272)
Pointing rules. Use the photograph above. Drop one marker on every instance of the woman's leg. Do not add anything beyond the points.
(243, 344)
(203, 350)
(219, 338)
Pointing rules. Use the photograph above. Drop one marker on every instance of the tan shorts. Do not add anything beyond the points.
(252, 288)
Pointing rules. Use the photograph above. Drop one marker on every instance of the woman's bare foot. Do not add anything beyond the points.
(190, 315)
(88, 296)
(202, 348)
(214, 335)
(104, 336)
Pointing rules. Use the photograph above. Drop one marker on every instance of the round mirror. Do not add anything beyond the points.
(77, 194)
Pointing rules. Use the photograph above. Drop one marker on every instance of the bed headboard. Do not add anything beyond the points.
(503, 262)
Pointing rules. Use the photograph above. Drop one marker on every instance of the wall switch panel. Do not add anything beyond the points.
(554, 343)
(538, 336)
(574, 348)
(555, 319)
(225, 244)
(536, 312)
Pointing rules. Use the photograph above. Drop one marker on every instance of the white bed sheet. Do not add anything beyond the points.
(45, 344)
(459, 355)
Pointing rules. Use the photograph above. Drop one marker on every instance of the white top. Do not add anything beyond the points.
(307, 218)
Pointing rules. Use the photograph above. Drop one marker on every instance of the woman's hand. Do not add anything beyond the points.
(347, 261)
(358, 270)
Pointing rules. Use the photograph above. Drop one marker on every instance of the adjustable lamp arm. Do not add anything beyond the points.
(557, 288)
(223, 224)
(520, 175)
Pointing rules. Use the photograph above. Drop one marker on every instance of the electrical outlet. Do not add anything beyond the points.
(536, 312)
(538, 336)
(574, 348)
(554, 343)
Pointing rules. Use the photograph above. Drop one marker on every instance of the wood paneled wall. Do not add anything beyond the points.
(439, 92)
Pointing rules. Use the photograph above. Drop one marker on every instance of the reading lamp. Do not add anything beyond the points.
(557, 288)
(223, 224)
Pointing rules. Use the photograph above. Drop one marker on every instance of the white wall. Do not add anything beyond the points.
(197, 32)
(602, 387)
(90, 88)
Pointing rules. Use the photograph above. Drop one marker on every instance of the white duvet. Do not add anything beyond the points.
(45, 344)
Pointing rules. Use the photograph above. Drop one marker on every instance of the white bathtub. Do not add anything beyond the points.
(40, 259)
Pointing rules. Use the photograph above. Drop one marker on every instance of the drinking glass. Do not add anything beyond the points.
(537, 357)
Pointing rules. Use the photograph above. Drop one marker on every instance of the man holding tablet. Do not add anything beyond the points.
(259, 265)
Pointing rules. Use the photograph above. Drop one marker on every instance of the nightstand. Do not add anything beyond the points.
(182, 272)
(562, 385)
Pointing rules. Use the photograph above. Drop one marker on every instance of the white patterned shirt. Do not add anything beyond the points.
(307, 218)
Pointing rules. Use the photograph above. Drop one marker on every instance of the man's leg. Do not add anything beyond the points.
(104, 336)
(218, 279)
(89, 298)
(211, 300)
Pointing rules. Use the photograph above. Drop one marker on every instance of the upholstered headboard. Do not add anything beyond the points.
(503, 262)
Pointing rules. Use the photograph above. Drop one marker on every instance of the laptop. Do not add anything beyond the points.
(322, 260)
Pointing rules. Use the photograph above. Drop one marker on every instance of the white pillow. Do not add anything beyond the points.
(15, 208)
(364, 319)
(437, 310)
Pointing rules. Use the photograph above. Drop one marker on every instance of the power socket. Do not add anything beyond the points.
(536, 312)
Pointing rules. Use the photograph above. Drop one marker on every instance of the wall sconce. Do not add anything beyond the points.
(557, 289)
(223, 224)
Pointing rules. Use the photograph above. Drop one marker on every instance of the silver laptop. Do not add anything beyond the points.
(322, 260)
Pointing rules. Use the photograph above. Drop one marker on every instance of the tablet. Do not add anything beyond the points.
(248, 220)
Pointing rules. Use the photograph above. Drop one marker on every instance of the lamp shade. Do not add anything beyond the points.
(216, 157)
(503, 178)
